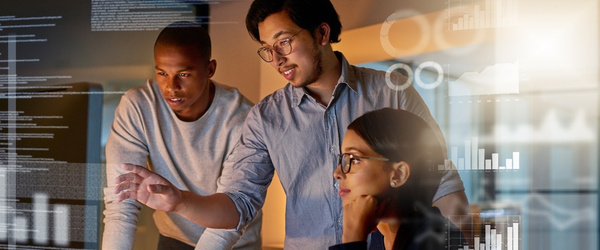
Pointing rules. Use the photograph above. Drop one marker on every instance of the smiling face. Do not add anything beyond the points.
(366, 176)
(303, 65)
(183, 75)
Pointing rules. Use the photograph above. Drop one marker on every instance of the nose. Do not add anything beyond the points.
(278, 59)
(337, 173)
(173, 83)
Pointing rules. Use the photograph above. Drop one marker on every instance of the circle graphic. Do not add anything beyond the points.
(388, 76)
(438, 80)
(384, 32)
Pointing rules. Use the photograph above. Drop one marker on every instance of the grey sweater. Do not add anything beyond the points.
(146, 132)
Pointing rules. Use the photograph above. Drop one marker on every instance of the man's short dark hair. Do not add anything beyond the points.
(184, 33)
(307, 14)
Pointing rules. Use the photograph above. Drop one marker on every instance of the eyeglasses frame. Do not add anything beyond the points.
(351, 156)
(273, 48)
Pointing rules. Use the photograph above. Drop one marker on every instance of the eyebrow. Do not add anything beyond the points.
(185, 69)
(352, 149)
(277, 35)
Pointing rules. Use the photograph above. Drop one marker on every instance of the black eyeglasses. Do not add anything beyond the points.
(282, 47)
(345, 160)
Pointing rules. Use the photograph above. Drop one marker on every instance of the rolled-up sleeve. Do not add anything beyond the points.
(248, 171)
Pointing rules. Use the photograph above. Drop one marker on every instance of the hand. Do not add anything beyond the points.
(361, 217)
(149, 188)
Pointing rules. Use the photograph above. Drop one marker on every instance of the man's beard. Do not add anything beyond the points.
(317, 69)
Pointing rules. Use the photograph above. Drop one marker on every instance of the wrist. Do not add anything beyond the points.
(181, 206)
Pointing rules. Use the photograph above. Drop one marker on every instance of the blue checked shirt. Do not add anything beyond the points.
(293, 134)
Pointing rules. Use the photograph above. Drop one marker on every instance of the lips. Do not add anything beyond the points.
(174, 100)
(288, 73)
(343, 192)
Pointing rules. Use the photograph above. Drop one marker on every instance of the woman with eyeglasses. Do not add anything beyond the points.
(388, 174)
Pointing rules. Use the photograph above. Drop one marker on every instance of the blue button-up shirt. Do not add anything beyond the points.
(292, 133)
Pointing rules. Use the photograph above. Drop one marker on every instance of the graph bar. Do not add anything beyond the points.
(493, 14)
(474, 145)
(515, 229)
(468, 154)
(509, 238)
(488, 7)
(3, 196)
(40, 218)
(488, 238)
(481, 158)
(515, 160)
(494, 160)
(493, 236)
(476, 241)
(20, 230)
(476, 12)
(61, 225)
(461, 163)
(509, 164)
(498, 241)
(488, 164)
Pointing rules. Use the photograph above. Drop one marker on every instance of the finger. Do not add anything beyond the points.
(127, 195)
(126, 187)
(129, 177)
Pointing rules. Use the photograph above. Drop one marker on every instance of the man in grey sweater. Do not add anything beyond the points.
(182, 125)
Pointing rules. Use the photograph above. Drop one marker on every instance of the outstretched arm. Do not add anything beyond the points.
(213, 211)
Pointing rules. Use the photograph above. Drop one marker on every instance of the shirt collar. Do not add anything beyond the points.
(347, 78)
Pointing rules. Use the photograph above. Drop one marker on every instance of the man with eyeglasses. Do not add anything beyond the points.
(297, 130)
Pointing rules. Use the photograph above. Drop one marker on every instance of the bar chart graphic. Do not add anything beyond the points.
(48, 207)
(474, 158)
(495, 233)
(35, 224)
(482, 15)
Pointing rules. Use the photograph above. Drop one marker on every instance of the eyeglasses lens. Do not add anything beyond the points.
(345, 163)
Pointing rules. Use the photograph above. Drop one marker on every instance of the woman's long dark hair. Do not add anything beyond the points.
(403, 136)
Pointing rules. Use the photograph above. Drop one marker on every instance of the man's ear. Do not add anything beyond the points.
(212, 68)
(400, 174)
(323, 33)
